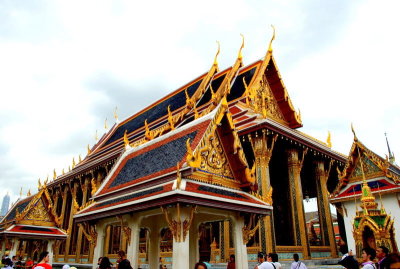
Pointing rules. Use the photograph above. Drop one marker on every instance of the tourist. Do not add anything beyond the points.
(231, 263)
(260, 258)
(18, 264)
(122, 262)
(7, 263)
(200, 265)
(263, 262)
(28, 263)
(381, 253)
(273, 258)
(367, 256)
(297, 264)
(105, 263)
(348, 261)
(66, 266)
(44, 261)
(98, 262)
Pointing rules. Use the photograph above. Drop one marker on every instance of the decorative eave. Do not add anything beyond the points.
(357, 147)
(31, 231)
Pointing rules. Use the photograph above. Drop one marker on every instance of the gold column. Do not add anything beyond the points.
(226, 240)
(262, 148)
(324, 211)
(80, 237)
(64, 203)
(71, 215)
(296, 201)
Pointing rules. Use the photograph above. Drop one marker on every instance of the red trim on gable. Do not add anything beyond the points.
(18, 229)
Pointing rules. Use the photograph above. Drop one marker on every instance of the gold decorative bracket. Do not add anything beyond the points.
(250, 229)
(125, 229)
(178, 228)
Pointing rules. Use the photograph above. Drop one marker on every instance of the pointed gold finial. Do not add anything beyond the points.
(116, 113)
(354, 133)
(147, 133)
(54, 174)
(73, 162)
(328, 140)
(240, 56)
(20, 192)
(39, 184)
(126, 140)
(47, 180)
(272, 39)
(79, 158)
(96, 137)
(105, 124)
(28, 193)
(63, 172)
(69, 168)
(88, 149)
(170, 119)
(216, 55)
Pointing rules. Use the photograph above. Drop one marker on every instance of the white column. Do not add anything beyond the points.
(180, 250)
(154, 247)
(133, 246)
(240, 247)
(14, 249)
(50, 243)
(99, 248)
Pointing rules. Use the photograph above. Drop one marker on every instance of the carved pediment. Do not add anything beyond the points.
(370, 169)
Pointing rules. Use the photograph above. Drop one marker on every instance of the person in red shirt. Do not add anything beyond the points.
(44, 261)
(29, 263)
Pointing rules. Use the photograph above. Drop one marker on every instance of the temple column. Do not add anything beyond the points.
(70, 222)
(132, 251)
(324, 211)
(99, 247)
(154, 246)
(296, 201)
(50, 244)
(14, 249)
(179, 220)
(3, 246)
(263, 146)
(239, 245)
(80, 237)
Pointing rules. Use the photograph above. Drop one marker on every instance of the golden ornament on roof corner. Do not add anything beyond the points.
(193, 160)
(105, 124)
(54, 174)
(170, 119)
(272, 39)
(28, 193)
(354, 132)
(240, 56)
(88, 150)
(116, 113)
(328, 140)
(147, 133)
(73, 162)
(216, 55)
(20, 192)
(69, 168)
(126, 140)
(63, 171)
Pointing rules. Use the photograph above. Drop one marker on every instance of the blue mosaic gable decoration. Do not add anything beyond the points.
(155, 160)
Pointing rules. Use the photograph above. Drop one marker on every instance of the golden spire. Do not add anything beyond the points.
(54, 174)
(354, 133)
(28, 193)
(216, 55)
(73, 162)
(63, 171)
(126, 140)
(88, 149)
(367, 199)
(147, 133)
(328, 140)
(116, 114)
(79, 158)
(240, 56)
(69, 168)
(170, 118)
(272, 39)
(105, 124)
(39, 184)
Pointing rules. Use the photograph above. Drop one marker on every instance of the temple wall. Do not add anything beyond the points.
(348, 223)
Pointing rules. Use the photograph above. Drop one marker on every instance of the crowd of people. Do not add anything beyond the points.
(372, 259)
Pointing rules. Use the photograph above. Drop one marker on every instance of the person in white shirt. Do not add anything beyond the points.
(368, 255)
(297, 264)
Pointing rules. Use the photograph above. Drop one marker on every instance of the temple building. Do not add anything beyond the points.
(215, 168)
(367, 199)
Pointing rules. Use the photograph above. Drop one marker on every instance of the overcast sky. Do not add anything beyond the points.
(65, 66)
